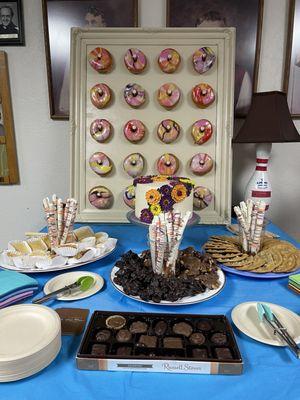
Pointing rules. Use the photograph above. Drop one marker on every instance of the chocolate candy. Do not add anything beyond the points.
(115, 322)
(200, 353)
(98, 350)
(103, 336)
(223, 352)
(182, 328)
(173, 343)
(138, 327)
(148, 341)
(124, 351)
(219, 338)
(197, 338)
(123, 335)
(160, 328)
(204, 326)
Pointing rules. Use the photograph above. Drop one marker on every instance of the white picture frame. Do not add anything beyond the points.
(82, 113)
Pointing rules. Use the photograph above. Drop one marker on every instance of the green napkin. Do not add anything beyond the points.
(295, 280)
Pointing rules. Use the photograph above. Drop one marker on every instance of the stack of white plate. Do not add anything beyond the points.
(30, 339)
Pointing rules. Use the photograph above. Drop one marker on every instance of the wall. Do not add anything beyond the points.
(43, 144)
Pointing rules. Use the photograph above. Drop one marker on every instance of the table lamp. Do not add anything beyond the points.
(268, 121)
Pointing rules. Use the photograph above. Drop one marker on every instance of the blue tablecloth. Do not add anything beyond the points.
(269, 372)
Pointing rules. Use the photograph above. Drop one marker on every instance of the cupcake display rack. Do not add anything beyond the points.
(86, 184)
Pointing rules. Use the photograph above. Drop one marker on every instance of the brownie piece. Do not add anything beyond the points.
(123, 335)
(182, 328)
(219, 338)
(200, 353)
(124, 351)
(197, 338)
(98, 350)
(138, 327)
(173, 343)
(204, 326)
(160, 328)
(224, 353)
(103, 335)
(147, 341)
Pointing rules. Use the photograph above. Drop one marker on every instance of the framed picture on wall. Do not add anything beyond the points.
(246, 17)
(11, 23)
(59, 17)
(292, 67)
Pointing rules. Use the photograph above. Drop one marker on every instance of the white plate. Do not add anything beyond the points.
(245, 317)
(25, 330)
(208, 294)
(56, 268)
(62, 280)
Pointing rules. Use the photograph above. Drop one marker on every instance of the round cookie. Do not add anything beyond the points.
(203, 59)
(135, 60)
(100, 130)
(134, 130)
(100, 197)
(100, 163)
(134, 164)
(201, 164)
(169, 60)
(134, 95)
(129, 196)
(203, 95)
(168, 131)
(100, 95)
(202, 197)
(168, 95)
(167, 164)
(100, 59)
(202, 131)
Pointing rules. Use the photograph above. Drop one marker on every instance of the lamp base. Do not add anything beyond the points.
(259, 185)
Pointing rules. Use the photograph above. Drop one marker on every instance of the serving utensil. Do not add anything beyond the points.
(83, 283)
(266, 315)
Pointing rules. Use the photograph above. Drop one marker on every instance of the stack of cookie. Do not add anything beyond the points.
(276, 256)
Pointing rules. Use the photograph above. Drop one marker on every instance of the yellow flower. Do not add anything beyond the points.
(155, 209)
(159, 178)
(178, 193)
(153, 196)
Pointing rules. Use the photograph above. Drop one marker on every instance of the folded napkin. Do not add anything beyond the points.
(15, 286)
(295, 280)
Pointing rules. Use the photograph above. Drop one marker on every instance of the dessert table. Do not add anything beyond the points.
(269, 372)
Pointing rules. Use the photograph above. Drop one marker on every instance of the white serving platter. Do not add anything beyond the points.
(207, 295)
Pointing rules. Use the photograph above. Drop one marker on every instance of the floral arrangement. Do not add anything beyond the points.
(162, 199)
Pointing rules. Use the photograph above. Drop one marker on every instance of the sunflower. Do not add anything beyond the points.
(155, 209)
(160, 178)
(153, 196)
(178, 193)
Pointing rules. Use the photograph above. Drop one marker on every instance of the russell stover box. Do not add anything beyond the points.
(192, 344)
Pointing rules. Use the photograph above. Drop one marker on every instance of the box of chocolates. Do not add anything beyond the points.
(152, 342)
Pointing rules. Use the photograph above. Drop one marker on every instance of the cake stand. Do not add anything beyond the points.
(194, 220)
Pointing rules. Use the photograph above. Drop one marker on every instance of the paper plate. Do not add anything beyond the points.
(208, 294)
(245, 318)
(26, 329)
(62, 280)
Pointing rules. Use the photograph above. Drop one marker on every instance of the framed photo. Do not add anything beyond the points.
(59, 17)
(292, 67)
(9, 172)
(246, 17)
(11, 23)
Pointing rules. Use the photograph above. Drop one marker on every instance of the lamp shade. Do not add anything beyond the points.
(268, 121)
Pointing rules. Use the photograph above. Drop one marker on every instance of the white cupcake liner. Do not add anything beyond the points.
(42, 244)
(101, 237)
(86, 243)
(83, 232)
(66, 251)
(89, 255)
